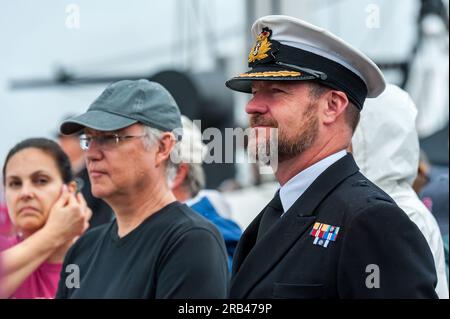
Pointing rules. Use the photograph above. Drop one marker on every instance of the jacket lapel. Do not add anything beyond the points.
(246, 243)
(260, 257)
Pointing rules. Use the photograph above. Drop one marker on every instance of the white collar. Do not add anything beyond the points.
(298, 184)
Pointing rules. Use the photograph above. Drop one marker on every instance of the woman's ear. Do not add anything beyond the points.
(72, 186)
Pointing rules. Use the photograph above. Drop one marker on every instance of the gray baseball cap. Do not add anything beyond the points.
(125, 103)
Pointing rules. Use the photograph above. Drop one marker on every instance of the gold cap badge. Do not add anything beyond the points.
(261, 47)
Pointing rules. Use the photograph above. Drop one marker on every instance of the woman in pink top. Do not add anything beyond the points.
(47, 214)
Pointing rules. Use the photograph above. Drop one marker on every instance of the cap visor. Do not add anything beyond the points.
(97, 120)
(243, 82)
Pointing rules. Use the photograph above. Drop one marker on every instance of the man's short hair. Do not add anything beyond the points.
(195, 178)
(352, 113)
(153, 137)
(192, 151)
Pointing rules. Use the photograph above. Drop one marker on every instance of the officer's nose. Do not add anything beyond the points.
(256, 105)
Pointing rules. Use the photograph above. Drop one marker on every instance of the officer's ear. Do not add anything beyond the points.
(336, 103)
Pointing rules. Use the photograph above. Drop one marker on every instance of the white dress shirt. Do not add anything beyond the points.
(298, 184)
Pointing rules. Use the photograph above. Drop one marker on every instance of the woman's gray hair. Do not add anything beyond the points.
(152, 138)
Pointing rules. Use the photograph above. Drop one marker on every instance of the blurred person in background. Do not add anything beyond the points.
(423, 173)
(428, 69)
(386, 148)
(188, 183)
(101, 211)
(431, 185)
(435, 196)
(47, 214)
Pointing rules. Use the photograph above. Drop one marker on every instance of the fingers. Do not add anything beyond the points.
(86, 211)
(81, 200)
(75, 239)
(88, 214)
(86, 226)
(63, 198)
(85, 208)
(76, 199)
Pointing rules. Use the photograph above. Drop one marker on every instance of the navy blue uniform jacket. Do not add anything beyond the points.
(378, 253)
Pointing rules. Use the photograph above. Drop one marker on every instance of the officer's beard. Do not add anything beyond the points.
(288, 146)
(292, 146)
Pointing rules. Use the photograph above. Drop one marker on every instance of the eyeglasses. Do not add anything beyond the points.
(105, 141)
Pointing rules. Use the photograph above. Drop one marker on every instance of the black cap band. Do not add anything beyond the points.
(312, 67)
(337, 76)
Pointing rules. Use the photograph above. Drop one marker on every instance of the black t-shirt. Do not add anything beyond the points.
(174, 253)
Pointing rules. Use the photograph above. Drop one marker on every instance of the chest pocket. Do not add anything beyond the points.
(297, 291)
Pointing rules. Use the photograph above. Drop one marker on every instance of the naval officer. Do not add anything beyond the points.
(328, 232)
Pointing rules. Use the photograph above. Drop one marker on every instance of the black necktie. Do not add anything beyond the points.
(271, 216)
